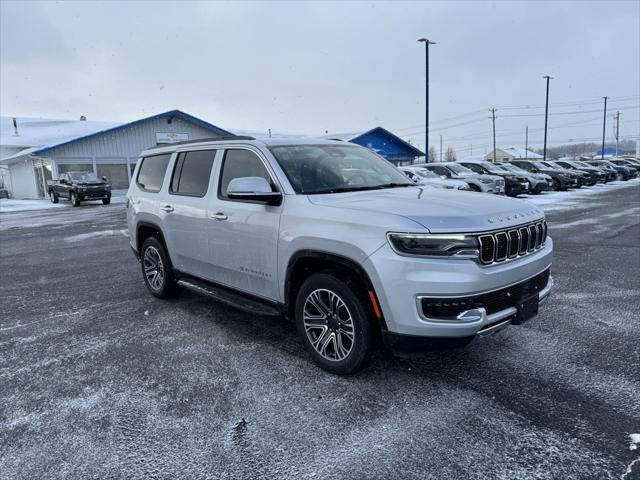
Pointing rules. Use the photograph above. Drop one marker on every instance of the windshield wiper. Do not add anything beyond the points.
(394, 185)
(359, 189)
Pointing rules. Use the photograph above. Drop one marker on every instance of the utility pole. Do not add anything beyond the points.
(493, 119)
(546, 115)
(617, 130)
(526, 142)
(426, 42)
(604, 127)
(471, 149)
(440, 148)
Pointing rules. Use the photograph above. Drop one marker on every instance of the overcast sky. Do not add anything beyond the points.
(311, 67)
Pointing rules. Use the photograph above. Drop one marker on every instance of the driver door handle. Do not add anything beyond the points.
(219, 216)
(166, 208)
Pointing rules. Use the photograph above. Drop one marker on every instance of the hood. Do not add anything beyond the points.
(438, 210)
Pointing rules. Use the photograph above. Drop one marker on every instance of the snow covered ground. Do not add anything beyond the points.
(12, 205)
(550, 201)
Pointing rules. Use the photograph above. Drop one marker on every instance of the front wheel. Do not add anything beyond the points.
(53, 197)
(74, 199)
(333, 324)
(474, 187)
(106, 201)
(556, 185)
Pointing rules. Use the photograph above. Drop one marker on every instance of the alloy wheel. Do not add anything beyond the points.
(328, 325)
(153, 268)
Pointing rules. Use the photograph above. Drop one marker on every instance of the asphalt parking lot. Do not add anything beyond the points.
(100, 380)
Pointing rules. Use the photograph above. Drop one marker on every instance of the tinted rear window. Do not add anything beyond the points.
(151, 173)
(192, 172)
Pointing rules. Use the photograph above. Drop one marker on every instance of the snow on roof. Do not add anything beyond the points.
(37, 132)
(518, 152)
(42, 134)
(346, 136)
(261, 134)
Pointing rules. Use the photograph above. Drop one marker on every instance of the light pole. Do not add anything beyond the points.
(426, 42)
(546, 115)
(604, 127)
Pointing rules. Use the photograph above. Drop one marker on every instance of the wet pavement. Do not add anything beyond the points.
(100, 380)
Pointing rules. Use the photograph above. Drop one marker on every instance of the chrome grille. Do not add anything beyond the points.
(507, 244)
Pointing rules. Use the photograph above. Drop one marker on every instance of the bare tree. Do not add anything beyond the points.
(450, 155)
(432, 154)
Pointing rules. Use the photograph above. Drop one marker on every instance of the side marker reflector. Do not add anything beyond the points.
(374, 304)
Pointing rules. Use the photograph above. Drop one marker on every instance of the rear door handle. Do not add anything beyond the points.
(166, 208)
(219, 216)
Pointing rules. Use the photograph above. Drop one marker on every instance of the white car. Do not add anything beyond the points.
(422, 176)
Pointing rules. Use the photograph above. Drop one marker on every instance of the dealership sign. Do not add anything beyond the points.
(171, 137)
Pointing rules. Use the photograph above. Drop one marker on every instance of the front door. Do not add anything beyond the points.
(243, 236)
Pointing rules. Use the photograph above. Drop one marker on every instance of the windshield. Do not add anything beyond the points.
(583, 164)
(83, 177)
(454, 167)
(544, 166)
(423, 172)
(336, 168)
(494, 168)
(513, 168)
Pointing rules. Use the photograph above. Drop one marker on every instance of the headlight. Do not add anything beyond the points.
(107, 186)
(485, 180)
(434, 245)
(512, 178)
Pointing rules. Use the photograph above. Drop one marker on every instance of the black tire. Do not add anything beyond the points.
(336, 326)
(556, 185)
(474, 187)
(73, 196)
(166, 286)
(106, 201)
(53, 196)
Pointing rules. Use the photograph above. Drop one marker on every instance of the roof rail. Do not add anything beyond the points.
(221, 138)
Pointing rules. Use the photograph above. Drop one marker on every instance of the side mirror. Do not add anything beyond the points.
(104, 178)
(253, 189)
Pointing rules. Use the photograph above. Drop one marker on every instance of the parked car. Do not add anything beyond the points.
(422, 176)
(623, 172)
(539, 182)
(623, 162)
(514, 184)
(274, 227)
(561, 179)
(79, 187)
(609, 175)
(477, 183)
(635, 162)
(583, 177)
(595, 175)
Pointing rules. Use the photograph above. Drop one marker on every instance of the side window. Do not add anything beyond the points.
(151, 172)
(241, 163)
(442, 171)
(63, 176)
(192, 173)
(474, 167)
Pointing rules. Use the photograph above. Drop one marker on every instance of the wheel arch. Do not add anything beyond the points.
(307, 262)
(145, 230)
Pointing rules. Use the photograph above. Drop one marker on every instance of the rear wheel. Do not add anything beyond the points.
(53, 197)
(333, 324)
(106, 201)
(74, 199)
(474, 187)
(556, 185)
(156, 268)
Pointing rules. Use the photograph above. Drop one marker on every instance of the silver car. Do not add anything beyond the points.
(334, 237)
(422, 176)
(540, 182)
(477, 182)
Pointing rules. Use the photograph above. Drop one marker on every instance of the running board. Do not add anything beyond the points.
(233, 299)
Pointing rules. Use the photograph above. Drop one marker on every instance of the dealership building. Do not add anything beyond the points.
(34, 150)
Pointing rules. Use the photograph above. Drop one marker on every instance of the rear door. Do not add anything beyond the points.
(185, 211)
(243, 236)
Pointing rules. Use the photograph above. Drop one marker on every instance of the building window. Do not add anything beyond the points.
(75, 167)
(116, 174)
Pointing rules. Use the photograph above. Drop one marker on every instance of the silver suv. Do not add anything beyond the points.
(334, 237)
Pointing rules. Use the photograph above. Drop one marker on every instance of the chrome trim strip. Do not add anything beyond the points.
(493, 328)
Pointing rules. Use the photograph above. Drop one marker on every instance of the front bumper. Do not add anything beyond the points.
(400, 282)
(409, 345)
(93, 194)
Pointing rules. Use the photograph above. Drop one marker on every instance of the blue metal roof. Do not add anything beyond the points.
(170, 113)
(388, 144)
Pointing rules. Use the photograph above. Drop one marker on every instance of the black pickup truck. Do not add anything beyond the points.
(78, 187)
